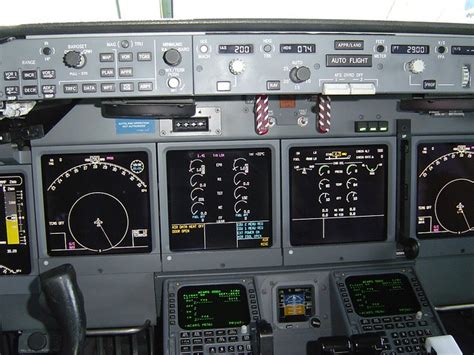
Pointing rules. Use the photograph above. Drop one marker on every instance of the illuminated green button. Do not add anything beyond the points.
(383, 126)
(361, 127)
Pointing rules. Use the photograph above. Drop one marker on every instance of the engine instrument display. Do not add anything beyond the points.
(295, 304)
(213, 306)
(219, 199)
(382, 295)
(445, 198)
(338, 194)
(14, 240)
(97, 203)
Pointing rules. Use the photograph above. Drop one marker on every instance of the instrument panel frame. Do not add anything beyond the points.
(437, 246)
(221, 259)
(346, 252)
(100, 264)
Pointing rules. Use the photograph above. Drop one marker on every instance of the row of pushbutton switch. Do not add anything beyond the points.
(14, 75)
(110, 72)
(125, 57)
(107, 87)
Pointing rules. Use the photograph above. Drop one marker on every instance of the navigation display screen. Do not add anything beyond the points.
(14, 239)
(338, 194)
(213, 306)
(382, 295)
(295, 304)
(445, 190)
(219, 199)
(96, 203)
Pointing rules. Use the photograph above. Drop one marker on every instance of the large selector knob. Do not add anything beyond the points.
(416, 66)
(236, 66)
(172, 57)
(74, 59)
(300, 74)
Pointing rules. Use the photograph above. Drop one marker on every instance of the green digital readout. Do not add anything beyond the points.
(213, 306)
(382, 295)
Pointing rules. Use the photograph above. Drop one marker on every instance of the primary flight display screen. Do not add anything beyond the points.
(295, 304)
(219, 199)
(96, 203)
(338, 194)
(382, 295)
(445, 190)
(14, 240)
(213, 306)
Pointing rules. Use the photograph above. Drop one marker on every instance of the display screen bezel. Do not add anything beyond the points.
(434, 246)
(74, 154)
(173, 190)
(222, 258)
(345, 252)
(386, 190)
(418, 188)
(390, 309)
(295, 318)
(243, 307)
(27, 270)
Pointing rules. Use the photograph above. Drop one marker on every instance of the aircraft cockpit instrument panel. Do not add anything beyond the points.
(97, 203)
(14, 238)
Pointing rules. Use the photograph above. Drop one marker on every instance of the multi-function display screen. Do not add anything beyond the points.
(213, 306)
(338, 194)
(445, 191)
(96, 203)
(14, 239)
(295, 304)
(219, 199)
(382, 295)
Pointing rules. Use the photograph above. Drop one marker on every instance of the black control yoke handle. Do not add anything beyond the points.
(65, 300)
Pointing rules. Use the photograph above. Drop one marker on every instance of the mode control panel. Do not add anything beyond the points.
(391, 303)
(209, 318)
(96, 66)
(332, 64)
(131, 65)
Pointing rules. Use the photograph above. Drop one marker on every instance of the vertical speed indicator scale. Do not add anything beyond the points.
(97, 203)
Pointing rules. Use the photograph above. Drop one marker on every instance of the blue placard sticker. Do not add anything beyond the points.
(130, 126)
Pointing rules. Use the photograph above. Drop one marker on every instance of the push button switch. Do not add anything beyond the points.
(29, 75)
(10, 75)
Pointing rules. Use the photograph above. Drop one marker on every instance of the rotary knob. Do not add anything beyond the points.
(172, 57)
(416, 66)
(236, 66)
(300, 74)
(74, 59)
